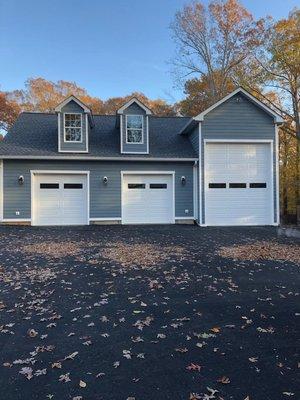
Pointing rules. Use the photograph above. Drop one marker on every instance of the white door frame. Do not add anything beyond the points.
(172, 173)
(238, 141)
(34, 172)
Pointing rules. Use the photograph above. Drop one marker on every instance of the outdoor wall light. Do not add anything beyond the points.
(21, 180)
(105, 180)
(183, 180)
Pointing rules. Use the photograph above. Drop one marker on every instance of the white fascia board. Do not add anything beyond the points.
(72, 98)
(139, 103)
(91, 158)
(277, 118)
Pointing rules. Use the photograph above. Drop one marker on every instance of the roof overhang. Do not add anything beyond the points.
(95, 158)
(277, 118)
(138, 102)
(72, 98)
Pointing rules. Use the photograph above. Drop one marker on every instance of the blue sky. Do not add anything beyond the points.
(111, 48)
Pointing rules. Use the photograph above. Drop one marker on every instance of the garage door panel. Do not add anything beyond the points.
(64, 205)
(152, 203)
(238, 164)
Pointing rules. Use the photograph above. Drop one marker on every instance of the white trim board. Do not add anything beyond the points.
(138, 102)
(91, 158)
(1, 190)
(72, 98)
(277, 118)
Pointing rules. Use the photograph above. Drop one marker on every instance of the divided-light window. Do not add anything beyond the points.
(134, 128)
(73, 127)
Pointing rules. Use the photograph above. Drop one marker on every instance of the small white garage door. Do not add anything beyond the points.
(60, 199)
(147, 199)
(238, 184)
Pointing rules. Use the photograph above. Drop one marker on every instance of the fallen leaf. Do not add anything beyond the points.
(193, 367)
(224, 380)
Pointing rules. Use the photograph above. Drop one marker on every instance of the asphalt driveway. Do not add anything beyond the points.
(148, 313)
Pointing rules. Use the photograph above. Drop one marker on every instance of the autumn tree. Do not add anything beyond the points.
(43, 95)
(279, 69)
(213, 43)
(9, 111)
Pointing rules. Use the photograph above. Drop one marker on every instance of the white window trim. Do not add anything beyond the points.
(81, 128)
(134, 129)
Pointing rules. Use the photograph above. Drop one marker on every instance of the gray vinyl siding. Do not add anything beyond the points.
(135, 109)
(73, 107)
(238, 120)
(105, 200)
(194, 139)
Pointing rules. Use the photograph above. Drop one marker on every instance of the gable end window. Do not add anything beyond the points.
(73, 127)
(134, 129)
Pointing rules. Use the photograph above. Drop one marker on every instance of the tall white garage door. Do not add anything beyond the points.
(238, 184)
(60, 199)
(147, 199)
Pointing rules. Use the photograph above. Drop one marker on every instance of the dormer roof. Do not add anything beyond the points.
(138, 102)
(72, 98)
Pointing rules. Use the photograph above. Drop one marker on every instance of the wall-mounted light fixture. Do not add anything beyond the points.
(105, 180)
(21, 180)
(183, 180)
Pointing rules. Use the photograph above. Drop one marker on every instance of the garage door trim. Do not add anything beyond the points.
(33, 173)
(172, 173)
(242, 141)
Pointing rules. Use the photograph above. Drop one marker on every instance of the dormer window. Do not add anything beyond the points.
(134, 129)
(73, 127)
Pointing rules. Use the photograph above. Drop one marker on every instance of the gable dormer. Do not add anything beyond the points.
(74, 119)
(134, 127)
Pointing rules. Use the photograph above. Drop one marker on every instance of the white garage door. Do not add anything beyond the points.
(238, 184)
(60, 199)
(147, 199)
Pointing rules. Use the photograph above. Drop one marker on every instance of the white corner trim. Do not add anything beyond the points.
(58, 132)
(121, 133)
(139, 103)
(86, 133)
(147, 132)
(200, 173)
(277, 118)
(277, 175)
(1, 190)
(72, 98)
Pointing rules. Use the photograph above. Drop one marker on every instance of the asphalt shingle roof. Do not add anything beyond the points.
(35, 134)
